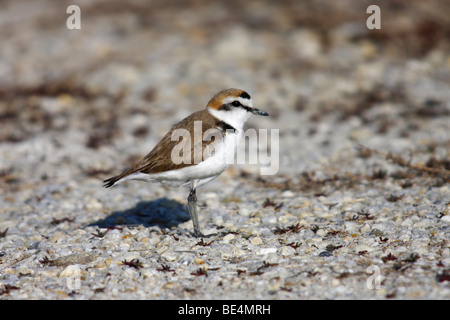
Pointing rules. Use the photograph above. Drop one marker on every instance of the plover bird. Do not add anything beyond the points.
(209, 140)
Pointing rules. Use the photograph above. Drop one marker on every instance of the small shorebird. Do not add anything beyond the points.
(210, 139)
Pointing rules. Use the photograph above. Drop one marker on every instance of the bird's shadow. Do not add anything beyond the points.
(162, 212)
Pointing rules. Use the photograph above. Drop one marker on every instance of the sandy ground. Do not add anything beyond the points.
(360, 205)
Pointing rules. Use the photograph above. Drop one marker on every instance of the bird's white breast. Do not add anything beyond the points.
(223, 155)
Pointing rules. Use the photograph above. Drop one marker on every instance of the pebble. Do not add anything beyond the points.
(94, 204)
(169, 256)
(256, 241)
(10, 279)
(325, 254)
(287, 251)
(71, 271)
(446, 219)
(321, 232)
(264, 251)
(287, 194)
(245, 212)
(58, 236)
(228, 237)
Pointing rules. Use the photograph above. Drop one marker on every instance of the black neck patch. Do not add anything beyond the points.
(226, 127)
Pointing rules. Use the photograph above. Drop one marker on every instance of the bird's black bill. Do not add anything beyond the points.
(259, 112)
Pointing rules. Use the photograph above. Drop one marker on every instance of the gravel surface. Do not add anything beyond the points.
(360, 206)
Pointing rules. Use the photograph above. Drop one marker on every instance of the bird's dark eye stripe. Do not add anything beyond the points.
(225, 107)
(234, 104)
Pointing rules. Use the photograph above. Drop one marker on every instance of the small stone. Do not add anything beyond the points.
(404, 237)
(363, 248)
(228, 237)
(51, 273)
(238, 252)
(365, 228)
(118, 198)
(256, 241)
(218, 220)
(446, 219)
(11, 279)
(22, 271)
(377, 232)
(308, 234)
(321, 232)
(169, 285)
(263, 251)
(104, 263)
(169, 256)
(287, 251)
(287, 194)
(94, 204)
(244, 212)
(57, 236)
(284, 219)
(269, 219)
(73, 270)
(325, 254)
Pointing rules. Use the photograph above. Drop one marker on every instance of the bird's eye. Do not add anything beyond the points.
(236, 103)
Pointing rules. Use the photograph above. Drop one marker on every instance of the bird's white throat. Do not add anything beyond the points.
(235, 117)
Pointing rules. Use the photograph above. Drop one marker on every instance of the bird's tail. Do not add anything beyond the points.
(108, 183)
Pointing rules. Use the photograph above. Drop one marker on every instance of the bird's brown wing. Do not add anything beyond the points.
(160, 158)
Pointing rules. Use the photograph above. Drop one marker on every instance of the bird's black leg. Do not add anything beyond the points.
(192, 203)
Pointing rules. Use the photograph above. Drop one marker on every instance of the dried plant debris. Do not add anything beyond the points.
(389, 257)
(3, 233)
(433, 167)
(200, 272)
(270, 203)
(406, 263)
(204, 244)
(56, 221)
(99, 233)
(259, 271)
(394, 198)
(134, 263)
(6, 289)
(443, 276)
(166, 268)
(307, 181)
(64, 261)
(293, 228)
(203, 271)
(46, 260)
(362, 214)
